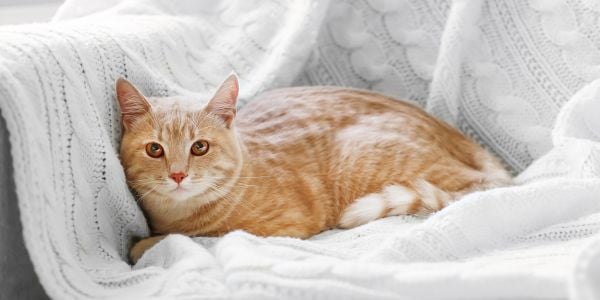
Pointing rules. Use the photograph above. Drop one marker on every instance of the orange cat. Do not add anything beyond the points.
(293, 162)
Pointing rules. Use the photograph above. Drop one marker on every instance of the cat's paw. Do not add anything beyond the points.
(140, 247)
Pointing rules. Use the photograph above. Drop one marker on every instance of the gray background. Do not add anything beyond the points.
(17, 278)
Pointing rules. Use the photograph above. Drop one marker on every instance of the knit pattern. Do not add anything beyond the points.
(517, 76)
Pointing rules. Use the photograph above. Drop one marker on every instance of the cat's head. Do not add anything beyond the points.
(175, 148)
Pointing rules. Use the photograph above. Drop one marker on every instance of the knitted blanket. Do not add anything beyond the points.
(517, 76)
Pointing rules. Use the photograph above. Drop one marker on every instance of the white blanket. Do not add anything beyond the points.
(518, 76)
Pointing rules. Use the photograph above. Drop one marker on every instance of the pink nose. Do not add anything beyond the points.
(178, 177)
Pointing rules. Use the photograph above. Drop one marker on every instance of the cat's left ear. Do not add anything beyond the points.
(224, 101)
(132, 103)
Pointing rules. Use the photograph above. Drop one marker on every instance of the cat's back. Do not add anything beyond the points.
(325, 108)
(321, 148)
(335, 124)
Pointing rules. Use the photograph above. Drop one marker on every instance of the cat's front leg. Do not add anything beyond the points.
(140, 247)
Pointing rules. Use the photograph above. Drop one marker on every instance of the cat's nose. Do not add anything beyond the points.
(178, 177)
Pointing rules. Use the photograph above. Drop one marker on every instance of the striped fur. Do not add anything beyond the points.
(295, 161)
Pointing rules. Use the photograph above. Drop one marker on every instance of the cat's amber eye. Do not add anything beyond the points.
(154, 150)
(200, 148)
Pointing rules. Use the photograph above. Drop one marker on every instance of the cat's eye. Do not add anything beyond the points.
(200, 148)
(154, 150)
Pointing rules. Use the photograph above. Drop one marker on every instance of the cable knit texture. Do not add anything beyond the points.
(517, 76)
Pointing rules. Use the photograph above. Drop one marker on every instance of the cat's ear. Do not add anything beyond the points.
(223, 102)
(132, 103)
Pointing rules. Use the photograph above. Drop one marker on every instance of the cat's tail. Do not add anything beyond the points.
(489, 174)
(416, 198)
(430, 198)
(419, 197)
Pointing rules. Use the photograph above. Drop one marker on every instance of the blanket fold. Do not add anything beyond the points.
(520, 77)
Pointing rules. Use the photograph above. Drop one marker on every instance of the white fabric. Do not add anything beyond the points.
(501, 71)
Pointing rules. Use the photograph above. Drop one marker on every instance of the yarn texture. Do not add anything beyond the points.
(520, 77)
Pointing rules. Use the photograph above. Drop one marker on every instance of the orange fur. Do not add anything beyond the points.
(295, 161)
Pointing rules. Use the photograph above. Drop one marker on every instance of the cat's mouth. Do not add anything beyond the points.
(184, 190)
(180, 193)
(179, 188)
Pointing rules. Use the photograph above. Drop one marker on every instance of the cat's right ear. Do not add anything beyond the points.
(223, 103)
(132, 103)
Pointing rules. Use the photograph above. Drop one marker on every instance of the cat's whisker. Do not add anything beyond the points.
(210, 177)
(145, 182)
(203, 181)
(221, 194)
(141, 197)
(233, 185)
(226, 196)
(213, 204)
